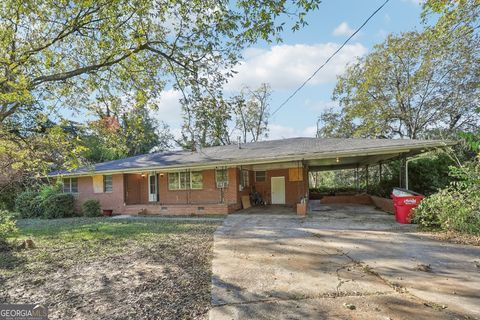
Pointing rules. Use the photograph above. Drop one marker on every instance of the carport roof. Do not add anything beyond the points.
(292, 149)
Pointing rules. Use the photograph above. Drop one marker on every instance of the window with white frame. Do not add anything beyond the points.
(245, 178)
(221, 178)
(70, 185)
(107, 183)
(196, 180)
(260, 176)
(185, 180)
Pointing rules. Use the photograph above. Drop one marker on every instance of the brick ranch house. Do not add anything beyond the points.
(213, 180)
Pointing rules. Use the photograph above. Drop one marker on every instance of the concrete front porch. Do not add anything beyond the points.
(179, 209)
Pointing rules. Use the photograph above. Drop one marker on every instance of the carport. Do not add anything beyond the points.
(288, 163)
(362, 163)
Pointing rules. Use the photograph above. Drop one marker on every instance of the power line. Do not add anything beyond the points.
(329, 58)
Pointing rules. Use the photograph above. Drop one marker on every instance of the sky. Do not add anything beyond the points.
(285, 66)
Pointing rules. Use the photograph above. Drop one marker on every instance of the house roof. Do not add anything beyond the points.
(292, 149)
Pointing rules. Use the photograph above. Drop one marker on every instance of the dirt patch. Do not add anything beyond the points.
(164, 275)
(453, 237)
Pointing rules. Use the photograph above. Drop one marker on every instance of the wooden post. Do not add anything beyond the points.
(402, 172)
(357, 185)
(380, 172)
(366, 177)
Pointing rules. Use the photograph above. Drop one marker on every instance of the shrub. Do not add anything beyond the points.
(48, 190)
(29, 204)
(59, 206)
(8, 194)
(456, 208)
(7, 224)
(91, 208)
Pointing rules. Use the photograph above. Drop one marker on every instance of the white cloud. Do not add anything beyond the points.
(169, 107)
(343, 29)
(287, 66)
(415, 2)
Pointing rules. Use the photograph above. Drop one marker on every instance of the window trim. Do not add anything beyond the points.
(188, 185)
(191, 179)
(69, 185)
(225, 181)
(245, 173)
(264, 176)
(105, 183)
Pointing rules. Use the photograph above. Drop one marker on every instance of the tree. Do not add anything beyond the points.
(129, 133)
(28, 153)
(58, 55)
(413, 85)
(213, 121)
(53, 50)
(206, 123)
(251, 111)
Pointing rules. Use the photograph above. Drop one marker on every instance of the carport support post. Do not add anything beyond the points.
(402, 172)
(380, 172)
(357, 185)
(366, 178)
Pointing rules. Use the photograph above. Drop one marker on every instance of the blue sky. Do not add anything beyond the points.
(285, 66)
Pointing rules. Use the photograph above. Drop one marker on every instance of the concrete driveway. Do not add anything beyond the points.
(341, 262)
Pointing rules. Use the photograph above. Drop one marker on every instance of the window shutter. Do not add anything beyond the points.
(97, 184)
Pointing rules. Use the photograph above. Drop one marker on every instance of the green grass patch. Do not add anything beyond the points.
(61, 243)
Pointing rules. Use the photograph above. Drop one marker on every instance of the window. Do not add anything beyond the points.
(185, 180)
(196, 180)
(260, 176)
(221, 178)
(245, 181)
(107, 183)
(70, 185)
(173, 181)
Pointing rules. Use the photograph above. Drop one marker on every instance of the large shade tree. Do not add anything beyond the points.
(415, 84)
(73, 54)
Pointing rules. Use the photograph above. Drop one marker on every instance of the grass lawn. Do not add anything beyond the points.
(100, 268)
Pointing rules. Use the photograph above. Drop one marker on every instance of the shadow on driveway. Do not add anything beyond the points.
(337, 259)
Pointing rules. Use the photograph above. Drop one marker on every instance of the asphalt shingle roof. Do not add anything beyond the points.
(264, 150)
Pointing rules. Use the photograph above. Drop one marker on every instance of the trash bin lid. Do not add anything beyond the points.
(401, 192)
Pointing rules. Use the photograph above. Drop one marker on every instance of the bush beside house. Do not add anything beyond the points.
(61, 205)
(91, 208)
(48, 202)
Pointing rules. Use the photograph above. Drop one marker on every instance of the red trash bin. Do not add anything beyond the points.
(404, 204)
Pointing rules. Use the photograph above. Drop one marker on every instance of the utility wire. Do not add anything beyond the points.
(329, 58)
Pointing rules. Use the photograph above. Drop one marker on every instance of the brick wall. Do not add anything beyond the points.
(353, 199)
(109, 201)
(294, 190)
(135, 189)
(179, 209)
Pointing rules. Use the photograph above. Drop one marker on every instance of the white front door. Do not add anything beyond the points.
(152, 188)
(278, 190)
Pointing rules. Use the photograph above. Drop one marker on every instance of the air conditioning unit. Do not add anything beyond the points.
(222, 184)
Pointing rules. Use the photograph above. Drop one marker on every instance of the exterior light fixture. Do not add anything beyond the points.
(143, 175)
(337, 160)
(161, 175)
